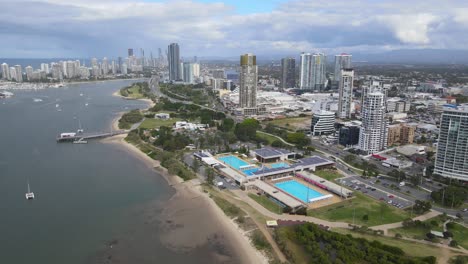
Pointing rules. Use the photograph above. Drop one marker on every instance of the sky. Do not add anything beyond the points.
(211, 28)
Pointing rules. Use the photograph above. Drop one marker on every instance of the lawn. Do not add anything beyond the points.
(293, 123)
(460, 234)
(329, 175)
(134, 92)
(378, 212)
(419, 232)
(151, 123)
(228, 208)
(269, 138)
(410, 248)
(266, 202)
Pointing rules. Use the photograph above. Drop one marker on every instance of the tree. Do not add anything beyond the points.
(350, 158)
(298, 138)
(277, 144)
(453, 243)
(450, 195)
(365, 217)
(421, 207)
(247, 130)
(227, 124)
(195, 165)
(210, 176)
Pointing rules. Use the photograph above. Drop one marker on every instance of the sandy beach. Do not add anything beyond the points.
(191, 220)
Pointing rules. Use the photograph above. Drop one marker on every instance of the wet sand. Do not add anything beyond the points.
(190, 222)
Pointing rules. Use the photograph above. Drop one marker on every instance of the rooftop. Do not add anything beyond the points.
(272, 152)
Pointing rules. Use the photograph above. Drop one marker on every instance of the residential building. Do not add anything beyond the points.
(174, 62)
(323, 123)
(452, 148)
(318, 77)
(373, 133)
(105, 66)
(130, 52)
(29, 72)
(196, 70)
(345, 93)
(248, 83)
(45, 68)
(342, 61)
(188, 72)
(6, 72)
(19, 73)
(305, 71)
(288, 73)
(218, 74)
(13, 74)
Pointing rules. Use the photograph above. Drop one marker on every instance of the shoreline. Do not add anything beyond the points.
(179, 212)
(182, 214)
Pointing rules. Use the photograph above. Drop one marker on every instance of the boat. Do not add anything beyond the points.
(57, 105)
(80, 130)
(81, 94)
(29, 195)
(80, 141)
(36, 100)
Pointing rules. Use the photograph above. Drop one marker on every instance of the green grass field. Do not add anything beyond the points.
(133, 92)
(329, 175)
(460, 234)
(378, 212)
(269, 138)
(266, 202)
(410, 248)
(420, 232)
(151, 123)
(293, 123)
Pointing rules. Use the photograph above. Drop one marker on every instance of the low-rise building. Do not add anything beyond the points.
(323, 123)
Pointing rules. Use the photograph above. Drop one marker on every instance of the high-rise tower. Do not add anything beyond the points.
(288, 73)
(373, 134)
(174, 62)
(248, 83)
(452, 148)
(342, 61)
(346, 93)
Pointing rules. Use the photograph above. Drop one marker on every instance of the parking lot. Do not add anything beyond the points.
(376, 192)
(228, 183)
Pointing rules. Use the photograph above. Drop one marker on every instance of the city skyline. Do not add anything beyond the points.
(215, 27)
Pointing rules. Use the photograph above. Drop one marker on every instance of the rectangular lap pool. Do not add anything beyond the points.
(298, 190)
(234, 162)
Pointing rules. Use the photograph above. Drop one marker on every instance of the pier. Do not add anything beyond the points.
(71, 137)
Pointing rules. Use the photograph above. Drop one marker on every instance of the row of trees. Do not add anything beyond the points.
(132, 117)
(453, 196)
(328, 247)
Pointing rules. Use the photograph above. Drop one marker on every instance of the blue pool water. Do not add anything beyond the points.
(250, 171)
(233, 161)
(279, 165)
(298, 190)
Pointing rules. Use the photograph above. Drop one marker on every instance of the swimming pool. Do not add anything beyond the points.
(298, 190)
(279, 165)
(249, 172)
(234, 162)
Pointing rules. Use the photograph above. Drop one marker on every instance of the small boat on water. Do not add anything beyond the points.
(29, 195)
(36, 100)
(80, 141)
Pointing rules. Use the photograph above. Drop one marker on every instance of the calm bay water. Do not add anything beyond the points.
(85, 193)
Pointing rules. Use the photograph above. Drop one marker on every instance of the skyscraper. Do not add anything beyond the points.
(45, 68)
(342, 61)
(130, 52)
(346, 93)
(318, 77)
(288, 73)
(19, 73)
(6, 72)
(452, 148)
(174, 62)
(305, 74)
(188, 72)
(29, 72)
(105, 66)
(248, 83)
(373, 133)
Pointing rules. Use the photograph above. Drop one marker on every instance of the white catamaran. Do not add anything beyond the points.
(29, 194)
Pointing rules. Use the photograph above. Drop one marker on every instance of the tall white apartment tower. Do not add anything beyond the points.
(318, 77)
(305, 71)
(342, 61)
(248, 79)
(373, 133)
(346, 93)
(19, 73)
(6, 72)
(452, 148)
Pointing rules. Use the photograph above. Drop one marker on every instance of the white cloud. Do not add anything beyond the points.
(108, 27)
